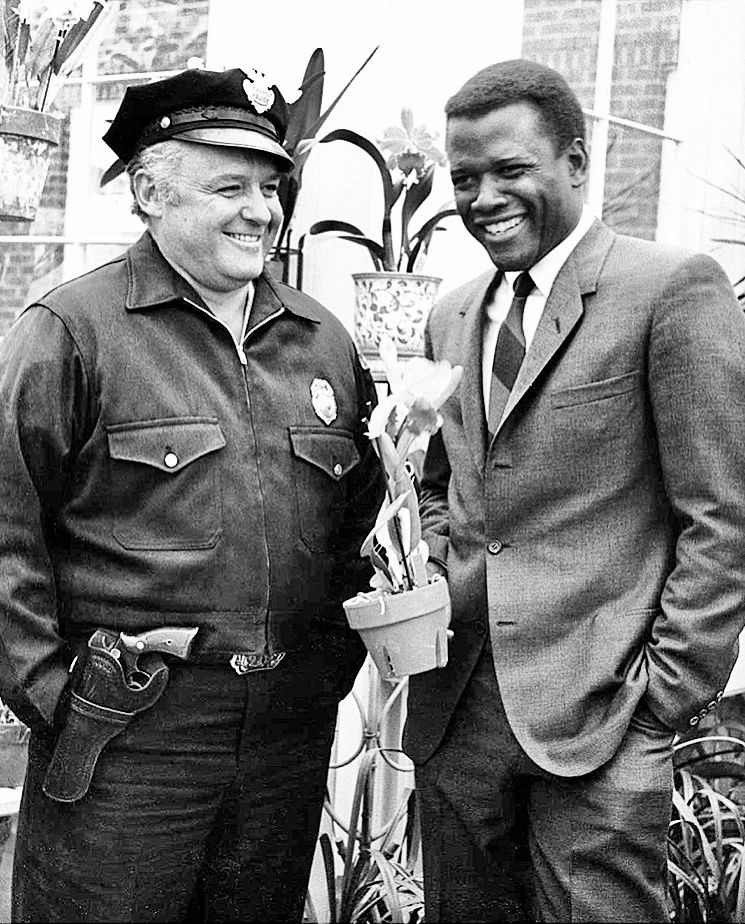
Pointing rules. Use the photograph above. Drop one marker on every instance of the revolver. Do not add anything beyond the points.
(130, 650)
(118, 676)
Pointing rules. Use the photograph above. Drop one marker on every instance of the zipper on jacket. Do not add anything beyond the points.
(268, 648)
(214, 317)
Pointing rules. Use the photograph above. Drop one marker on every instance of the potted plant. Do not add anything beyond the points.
(404, 620)
(42, 41)
(395, 299)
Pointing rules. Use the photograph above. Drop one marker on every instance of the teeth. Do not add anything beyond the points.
(246, 238)
(500, 227)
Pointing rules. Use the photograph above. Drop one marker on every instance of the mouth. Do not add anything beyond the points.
(248, 241)
(497, 229)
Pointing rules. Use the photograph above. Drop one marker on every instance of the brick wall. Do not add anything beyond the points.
(564, 35)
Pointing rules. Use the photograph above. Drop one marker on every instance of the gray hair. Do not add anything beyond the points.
(162, 163)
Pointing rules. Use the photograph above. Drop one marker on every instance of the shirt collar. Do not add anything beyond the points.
(152, 282)
(545, 271)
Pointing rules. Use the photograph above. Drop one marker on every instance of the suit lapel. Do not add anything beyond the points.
(471, 387)
(563, 310)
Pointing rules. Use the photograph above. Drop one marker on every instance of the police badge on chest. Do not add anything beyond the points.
(323, 400)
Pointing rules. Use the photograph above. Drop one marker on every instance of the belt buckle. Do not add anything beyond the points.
(247, 663)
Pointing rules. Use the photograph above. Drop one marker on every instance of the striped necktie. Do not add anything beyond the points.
(509, 352)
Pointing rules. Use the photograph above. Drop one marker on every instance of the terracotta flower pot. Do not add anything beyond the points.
(405, 633)
(27, 138)
(13, 754)
(395, 304)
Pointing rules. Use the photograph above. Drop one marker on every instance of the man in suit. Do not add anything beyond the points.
(586, 499)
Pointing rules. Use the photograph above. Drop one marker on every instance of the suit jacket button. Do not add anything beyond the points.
(480, 627)
(495, 547)
(693, 721)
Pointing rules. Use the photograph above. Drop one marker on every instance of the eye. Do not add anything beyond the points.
(463, 183)
(230, 190)
(513, 171)
(271, 189)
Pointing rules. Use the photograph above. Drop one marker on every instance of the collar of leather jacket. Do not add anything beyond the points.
(152, 281)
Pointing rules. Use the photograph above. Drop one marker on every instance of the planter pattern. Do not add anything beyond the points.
(27, 138)
(396, 304)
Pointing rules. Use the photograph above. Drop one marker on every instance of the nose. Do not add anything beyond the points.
(489, 195)
(254, 207)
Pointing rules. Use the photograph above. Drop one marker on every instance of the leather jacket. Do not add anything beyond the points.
(154, 473)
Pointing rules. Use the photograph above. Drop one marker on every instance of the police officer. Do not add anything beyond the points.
(185, 484)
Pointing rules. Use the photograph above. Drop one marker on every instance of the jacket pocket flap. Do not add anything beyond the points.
(168, 445)
(596, 391)
(333, 451)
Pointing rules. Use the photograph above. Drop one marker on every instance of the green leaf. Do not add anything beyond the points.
(304, 112)
(316, 127)
(352, 137)
(321, 227)
(389, 878)
(289, 188)
(422, 238)
(75, 36)
(42, 47)
(327, 855)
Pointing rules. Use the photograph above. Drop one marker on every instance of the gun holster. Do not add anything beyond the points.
(102, 702)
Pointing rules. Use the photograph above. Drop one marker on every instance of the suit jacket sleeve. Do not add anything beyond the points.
(43, 388)
(696, 374)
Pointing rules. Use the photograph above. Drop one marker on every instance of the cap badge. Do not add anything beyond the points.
(323, 399)
(258, 91)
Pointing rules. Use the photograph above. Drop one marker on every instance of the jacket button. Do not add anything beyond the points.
(170, 459)
(693, 721)
(338, 469)
(480, 627)
(495, 547)
(712, 705)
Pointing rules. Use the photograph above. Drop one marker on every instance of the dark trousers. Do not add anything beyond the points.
(205, 809)
(506, 841)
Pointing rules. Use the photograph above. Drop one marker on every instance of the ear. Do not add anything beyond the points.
(579, 162)
(146, 194)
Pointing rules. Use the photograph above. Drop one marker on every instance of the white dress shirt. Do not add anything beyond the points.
(543, 275)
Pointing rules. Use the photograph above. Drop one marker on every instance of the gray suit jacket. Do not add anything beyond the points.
(601, 534)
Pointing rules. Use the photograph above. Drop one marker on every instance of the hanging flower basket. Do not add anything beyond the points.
(405, 633)
(395, 305)
(27, 139)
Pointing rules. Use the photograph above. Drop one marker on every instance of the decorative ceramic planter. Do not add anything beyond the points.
(405, 633)
(13, 754)
(27, 138)
(396, 304)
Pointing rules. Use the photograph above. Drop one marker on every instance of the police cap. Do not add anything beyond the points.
(232, 108)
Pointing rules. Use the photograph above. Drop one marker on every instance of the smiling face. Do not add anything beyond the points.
(516, 195)
(221, 216)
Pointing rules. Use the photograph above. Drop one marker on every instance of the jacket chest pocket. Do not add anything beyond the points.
(322, 460)
(164, 483)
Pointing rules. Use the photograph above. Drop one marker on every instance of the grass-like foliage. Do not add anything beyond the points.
(381, 879)
(706, 840)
